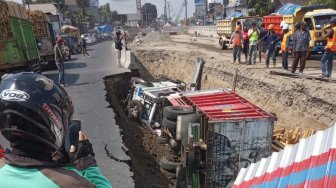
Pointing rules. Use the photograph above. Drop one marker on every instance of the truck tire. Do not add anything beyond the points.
(171, 112)
(169, 124)
(222, 44)
(141, 81)
(181, 178)
(168, 174)
(161, 139)
(167, 163)
(134, 109)
(34, 67)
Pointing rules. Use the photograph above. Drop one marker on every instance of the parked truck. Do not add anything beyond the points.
(44, 35)
(226, 27)
(18, 49)
(316, 17)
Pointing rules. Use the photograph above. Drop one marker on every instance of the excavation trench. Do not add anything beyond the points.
(140, 141)
(300, 103)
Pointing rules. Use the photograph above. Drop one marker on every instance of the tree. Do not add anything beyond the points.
(261, 7)
(330, 3)
(149, 13)
(105, 13)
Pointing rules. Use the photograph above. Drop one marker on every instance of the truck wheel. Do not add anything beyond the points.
(161, 139)
(141, 81)
(134, 109)
(34, 67)
(168, 163)
(167, 173)
(181, 177)
(169, 124)
(224, 46)
(171, 112)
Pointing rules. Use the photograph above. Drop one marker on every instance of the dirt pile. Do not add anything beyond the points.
(296, 102)
(145, 153)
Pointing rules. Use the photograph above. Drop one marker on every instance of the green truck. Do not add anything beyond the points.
(18, 49)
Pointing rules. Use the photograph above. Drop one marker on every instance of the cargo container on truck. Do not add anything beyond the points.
(209, 147)
(224, 28)
(18, 49)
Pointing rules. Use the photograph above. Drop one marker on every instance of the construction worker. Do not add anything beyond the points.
(301, 40)
(330, 49)
(237, 42)
(285, 45)
(271, 39)
(253, 35)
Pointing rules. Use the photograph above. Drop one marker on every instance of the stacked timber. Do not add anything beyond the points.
(4, 21)
(282, 139)
(17, 10)
(39, 22)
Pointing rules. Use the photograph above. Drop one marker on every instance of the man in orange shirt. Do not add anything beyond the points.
(237, 42)
(330, 49)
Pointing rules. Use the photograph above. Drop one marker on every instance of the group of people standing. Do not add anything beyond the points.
(250, 41)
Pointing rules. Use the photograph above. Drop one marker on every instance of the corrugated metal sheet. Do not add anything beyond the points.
(225, 105)
(310, 163)
(287, 9)
(234, 15)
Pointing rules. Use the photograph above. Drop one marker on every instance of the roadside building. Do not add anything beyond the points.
(71, 5)
(235, 6)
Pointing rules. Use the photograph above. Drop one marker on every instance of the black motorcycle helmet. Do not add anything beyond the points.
(34, 109)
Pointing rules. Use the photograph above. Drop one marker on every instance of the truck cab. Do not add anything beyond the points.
(316, 20)
(146, 100)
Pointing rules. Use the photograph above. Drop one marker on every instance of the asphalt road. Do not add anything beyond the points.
(87, 90)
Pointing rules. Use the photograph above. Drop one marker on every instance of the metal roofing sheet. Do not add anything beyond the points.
(288, 8)
(309, 163)
(225, 105)
(234, 15)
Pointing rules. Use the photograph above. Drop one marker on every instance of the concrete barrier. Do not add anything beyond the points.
(208, 31)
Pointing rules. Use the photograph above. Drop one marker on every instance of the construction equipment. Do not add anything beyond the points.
(18, 49)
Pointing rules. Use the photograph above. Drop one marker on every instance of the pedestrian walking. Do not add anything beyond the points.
(118, 46)
(245, 43)
(271, 40)
(237, 42)
(59, 59)
(300, 46)
(330, 49)
(84, 47)
(285, 44)
(253, 35)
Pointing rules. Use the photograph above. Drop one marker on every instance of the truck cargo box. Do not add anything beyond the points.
(235, 131)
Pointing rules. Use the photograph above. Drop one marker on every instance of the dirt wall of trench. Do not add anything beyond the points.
(296, 102)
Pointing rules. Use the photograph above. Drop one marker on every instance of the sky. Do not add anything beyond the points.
(129, 6)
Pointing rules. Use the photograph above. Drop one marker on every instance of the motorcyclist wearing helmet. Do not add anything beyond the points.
(35, 115)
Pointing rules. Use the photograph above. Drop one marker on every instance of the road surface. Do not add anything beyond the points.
(87, 90)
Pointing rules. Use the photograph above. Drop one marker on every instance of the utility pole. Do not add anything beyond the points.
(186, 12)
(165, 10)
